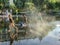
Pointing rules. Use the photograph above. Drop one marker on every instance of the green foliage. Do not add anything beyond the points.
(58, 5)
(52, 4)
(12, 6)
(4, 3)
(1, 5)
(22, 4)
(52, 1)
(19, 3)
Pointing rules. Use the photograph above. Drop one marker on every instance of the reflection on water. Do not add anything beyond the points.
(53, 38)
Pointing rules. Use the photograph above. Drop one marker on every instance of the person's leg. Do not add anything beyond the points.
(11, 41)
(16, 37)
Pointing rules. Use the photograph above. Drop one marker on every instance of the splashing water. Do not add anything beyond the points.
(39, 23)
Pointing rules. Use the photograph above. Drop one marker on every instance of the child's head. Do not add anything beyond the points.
(10, 18)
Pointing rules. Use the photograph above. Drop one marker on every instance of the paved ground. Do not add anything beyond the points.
(53, 38)
(24, 42)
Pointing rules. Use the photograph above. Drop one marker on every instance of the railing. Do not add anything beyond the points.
(4, 36)
(12, 15)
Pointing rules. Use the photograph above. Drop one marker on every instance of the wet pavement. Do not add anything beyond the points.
(35, 41)
(53, 38)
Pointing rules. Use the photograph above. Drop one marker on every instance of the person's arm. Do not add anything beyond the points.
(9, 29)
(25, 19)
(16, 28)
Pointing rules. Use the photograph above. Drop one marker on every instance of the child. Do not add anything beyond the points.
(13, 30)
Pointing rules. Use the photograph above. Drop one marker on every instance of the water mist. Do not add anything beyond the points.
(39, 23)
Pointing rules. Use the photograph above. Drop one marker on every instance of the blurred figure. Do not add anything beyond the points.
(5, 19)
(24, 19)
(7, 12)
(13, 30)
(11, 11)
(23, 23)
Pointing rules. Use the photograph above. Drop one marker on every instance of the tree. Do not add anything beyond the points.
(19, 3)
(4, 3)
